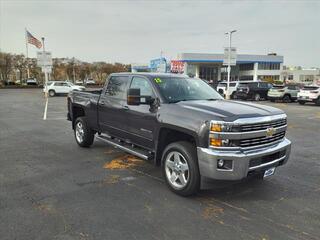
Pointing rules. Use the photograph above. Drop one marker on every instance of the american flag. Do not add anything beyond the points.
(32, 40)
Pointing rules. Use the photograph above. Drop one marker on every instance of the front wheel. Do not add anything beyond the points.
(84, 135)
(301, 102)
(180, 168)
(318, 101)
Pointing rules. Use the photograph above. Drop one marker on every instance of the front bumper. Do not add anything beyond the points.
(241, 160)
(275, 97)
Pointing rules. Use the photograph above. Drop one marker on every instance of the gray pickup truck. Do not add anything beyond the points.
(182, 125)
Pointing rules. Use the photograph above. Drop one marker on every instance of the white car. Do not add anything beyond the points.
(62, 87)
(309, 94)
(89, 82)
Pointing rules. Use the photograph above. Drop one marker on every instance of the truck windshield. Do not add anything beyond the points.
(185, 89)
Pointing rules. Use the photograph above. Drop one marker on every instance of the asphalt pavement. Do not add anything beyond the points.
(52, 189)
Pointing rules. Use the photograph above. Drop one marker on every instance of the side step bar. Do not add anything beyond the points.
(141, 153)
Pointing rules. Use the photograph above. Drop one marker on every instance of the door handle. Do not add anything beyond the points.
(102, 103)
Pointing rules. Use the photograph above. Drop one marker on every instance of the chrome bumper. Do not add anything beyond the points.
(208, 158)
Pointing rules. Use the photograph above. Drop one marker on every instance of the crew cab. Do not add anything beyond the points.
(253, 90)
(61, 87)
(285, 93)
(182, 125)
(309, 94)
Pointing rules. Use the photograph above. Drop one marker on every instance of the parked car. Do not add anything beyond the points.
(222, 88)
(183, 125)
(253, 90)
(287, 93)
(309, 94)
(79, 82)
(62, 87)
(89, 82)
(31, 81)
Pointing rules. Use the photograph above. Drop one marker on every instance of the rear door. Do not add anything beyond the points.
(112, 113)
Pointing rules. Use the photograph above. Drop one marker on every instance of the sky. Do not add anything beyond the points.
(137, 31)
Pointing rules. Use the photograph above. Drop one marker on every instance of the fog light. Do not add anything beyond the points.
(220, 163)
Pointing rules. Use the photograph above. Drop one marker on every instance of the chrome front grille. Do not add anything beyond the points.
(251, 142)
(249, 133)
(263, 126)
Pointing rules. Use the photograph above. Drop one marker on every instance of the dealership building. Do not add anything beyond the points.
(210, 66)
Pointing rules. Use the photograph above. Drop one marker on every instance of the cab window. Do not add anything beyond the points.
(144, 86)
(117, 87)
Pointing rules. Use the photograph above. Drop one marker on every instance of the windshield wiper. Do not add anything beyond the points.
(180, 100)
(211, 99)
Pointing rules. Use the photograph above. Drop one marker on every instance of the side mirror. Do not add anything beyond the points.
(134, 97)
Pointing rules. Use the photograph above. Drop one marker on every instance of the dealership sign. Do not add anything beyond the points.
(177, 66)
(158, 65)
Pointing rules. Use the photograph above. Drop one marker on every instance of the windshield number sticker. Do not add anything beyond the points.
(158, 80)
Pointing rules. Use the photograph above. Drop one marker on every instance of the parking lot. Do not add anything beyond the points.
(52, 189)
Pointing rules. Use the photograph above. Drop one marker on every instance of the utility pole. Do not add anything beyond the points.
(229, 64)
(73, 73)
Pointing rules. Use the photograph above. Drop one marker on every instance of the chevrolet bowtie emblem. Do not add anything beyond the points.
(270, 132)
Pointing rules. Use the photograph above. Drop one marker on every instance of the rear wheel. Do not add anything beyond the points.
(301, 102)
(180, 168)
(52, 93)
(257, 97)
(84, 135)
(286, 99)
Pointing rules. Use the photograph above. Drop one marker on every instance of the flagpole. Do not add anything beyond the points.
(27, 53)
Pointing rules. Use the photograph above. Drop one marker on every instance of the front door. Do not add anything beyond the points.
(142, 119)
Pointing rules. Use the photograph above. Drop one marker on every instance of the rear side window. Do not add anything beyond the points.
(143, 84)
(263, 85)
(117, 87)
(60, 84)
(232, 84)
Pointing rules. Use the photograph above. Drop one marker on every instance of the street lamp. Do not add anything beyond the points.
(229, 59)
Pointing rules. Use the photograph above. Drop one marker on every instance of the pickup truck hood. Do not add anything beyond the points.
(230, 110)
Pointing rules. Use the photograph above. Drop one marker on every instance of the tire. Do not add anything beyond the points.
(318, 101)
(179, 161)
(257, 97)
(286, 98)
(52, 93)
(272, 100)
(83, 134)
(301, 102)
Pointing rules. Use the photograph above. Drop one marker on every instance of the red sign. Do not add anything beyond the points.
(177, 66)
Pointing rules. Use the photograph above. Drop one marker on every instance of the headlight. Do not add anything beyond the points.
(221, 127)
(219, 142)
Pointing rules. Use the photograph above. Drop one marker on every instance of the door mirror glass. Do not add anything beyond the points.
(134, 97)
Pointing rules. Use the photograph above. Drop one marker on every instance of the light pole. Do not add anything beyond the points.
(229, 66)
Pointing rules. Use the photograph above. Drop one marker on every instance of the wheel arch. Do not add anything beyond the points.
(77, 111)
(169, 135)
